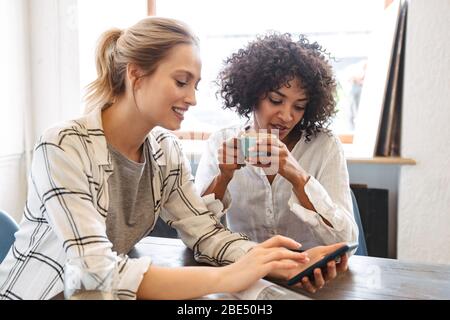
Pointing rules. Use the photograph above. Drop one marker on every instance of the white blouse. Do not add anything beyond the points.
(260, 210)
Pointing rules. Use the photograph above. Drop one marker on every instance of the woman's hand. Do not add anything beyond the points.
(229, 157)
(320, 277)
(274, 157)
(271, 255)
(323, 276)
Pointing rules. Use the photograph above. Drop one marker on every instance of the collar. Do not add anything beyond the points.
(94, 127)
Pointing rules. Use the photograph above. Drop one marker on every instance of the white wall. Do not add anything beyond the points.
(14, 90)
(424, 189)
(55, 90)
(13, 185)
(39, 84)
(91, 26)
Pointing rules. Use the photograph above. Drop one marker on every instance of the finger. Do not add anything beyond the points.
(307, 285)
(277, 265)
(230, 159)
(260, 161)
(227, 156)
(265, 145)
(298, 285)
(264, 152)
(232, 143)
(334, 247)
(226, 159)
(268, 141)
(319, 281)
(280, 241)
(235, 143)
(264, 158)
(222, 153)
(343, 265)
(331, 271)
(283, 253)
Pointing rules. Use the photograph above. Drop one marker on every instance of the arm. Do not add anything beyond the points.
(199, 228)
(217, 167)
(192, 282)
(218, 186)
(299, 180)
(330, 196)
(326, 205)
(165, 283)
(282, 160)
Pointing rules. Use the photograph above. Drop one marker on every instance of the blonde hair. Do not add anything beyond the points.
(144, 44)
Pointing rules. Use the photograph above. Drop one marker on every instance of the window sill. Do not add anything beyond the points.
(382, 160)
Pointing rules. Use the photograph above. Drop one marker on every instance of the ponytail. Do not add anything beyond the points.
(102, 91)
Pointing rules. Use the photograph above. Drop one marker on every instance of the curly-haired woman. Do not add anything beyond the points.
(285, 86)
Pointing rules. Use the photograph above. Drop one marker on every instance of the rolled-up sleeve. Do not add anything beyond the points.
(216, 206)
(198, 223)
(330, 196)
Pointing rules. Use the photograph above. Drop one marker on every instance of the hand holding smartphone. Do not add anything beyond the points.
(322, 263)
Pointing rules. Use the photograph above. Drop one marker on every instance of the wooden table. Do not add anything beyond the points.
(367, 277)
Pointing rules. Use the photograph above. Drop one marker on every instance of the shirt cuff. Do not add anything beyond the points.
(321, 201)
(217, 207)
(131, 273)
(240, 249)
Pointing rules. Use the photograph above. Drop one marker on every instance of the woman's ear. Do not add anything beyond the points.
(134, 73)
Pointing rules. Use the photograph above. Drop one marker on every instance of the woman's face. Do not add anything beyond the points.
(165, 95)
(281, 109)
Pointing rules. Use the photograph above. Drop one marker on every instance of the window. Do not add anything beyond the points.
(91, 24)
(342, 27)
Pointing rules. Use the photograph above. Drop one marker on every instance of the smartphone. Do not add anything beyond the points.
(309, 272)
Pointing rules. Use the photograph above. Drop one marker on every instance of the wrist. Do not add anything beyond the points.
(225, 176)
(222, 279)
(299, 179)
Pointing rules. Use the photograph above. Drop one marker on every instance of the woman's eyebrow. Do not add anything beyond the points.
(189, 74)
(284, 96)
(281, 94)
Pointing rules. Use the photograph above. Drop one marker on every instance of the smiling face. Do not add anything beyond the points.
(281, 109)
(165, 95)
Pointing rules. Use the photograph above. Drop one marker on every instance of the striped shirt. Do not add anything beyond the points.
(68, 201)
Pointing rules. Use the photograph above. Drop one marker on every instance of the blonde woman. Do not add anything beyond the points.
(99, 183)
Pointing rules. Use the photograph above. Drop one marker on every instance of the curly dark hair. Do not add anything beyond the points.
(270, 62)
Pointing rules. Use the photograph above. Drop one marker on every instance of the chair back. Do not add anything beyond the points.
(362, 247)
(8, 228)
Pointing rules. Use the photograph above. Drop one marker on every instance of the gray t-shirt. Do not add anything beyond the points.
(130, 213)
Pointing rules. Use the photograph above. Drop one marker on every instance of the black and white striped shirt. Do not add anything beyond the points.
(68, 202)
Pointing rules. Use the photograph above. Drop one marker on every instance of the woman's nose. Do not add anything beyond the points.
(190, 99)
(285, 114)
